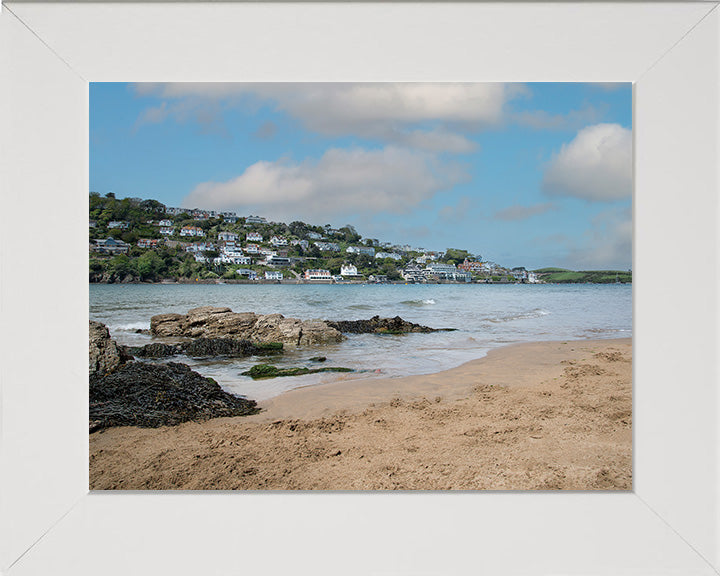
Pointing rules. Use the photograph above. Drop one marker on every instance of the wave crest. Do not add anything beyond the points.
(426, 302)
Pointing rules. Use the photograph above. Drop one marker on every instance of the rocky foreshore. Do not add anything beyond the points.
(127, 393)
(152, 395)
(124, 392)
(379, 325)
(215, 322)
(105, 354)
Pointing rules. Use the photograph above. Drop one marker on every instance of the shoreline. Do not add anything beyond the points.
(319, 400)
(540, 415)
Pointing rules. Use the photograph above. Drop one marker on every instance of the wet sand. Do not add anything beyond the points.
(538, 416)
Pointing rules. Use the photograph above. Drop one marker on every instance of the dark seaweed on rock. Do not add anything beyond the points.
(201, 347)
(150, 395)
(377, 325)
(268, 371)
(155, 350)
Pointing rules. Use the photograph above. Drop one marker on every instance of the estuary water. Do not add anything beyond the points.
(485, 315)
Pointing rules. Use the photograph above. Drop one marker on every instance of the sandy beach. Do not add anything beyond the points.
(538, 416)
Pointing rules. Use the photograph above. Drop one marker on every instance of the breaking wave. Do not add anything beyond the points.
(130, 327)
(426, 302)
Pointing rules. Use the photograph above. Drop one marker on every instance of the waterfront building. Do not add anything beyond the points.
(317, 275)
(413, 273)
(251, 274)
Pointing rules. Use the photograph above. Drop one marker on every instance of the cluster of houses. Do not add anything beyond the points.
(232, 249)
(433, 272)
(197, 214)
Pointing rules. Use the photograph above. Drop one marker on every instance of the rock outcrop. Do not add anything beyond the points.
(152, 395)
(105, 354)
(379, 325)
(203, 347)
(213, 322)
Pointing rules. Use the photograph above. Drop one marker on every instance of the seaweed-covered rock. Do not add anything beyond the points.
(152, 395)
(268, 371)
(156, 350)
(377, 325)
(228, 347)
(202, 347)
(215, 322)
(105, 354)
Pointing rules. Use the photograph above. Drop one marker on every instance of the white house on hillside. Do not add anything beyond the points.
(191, 231)
(227, 237)
(391, 255)
(360, 250)
(254, 237)
(348, 270)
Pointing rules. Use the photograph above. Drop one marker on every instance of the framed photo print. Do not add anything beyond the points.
(403, 288)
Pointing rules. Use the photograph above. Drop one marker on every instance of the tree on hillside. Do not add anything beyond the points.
(153, 207)
(149, 266)
(120, 265)
(298, 229)
(349, 234)
(456, 256)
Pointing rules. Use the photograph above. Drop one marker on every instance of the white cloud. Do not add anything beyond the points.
(393, 113)
(596, 165)
(342, 183)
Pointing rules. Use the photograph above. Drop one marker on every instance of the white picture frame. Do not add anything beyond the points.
(50, 524)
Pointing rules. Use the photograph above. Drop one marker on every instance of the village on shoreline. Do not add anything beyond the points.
(134, 240)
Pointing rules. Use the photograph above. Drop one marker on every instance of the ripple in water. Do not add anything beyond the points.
(536, 313)
(360, 307)
(427, 302)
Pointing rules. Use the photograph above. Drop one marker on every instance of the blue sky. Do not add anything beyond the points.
(528, 175)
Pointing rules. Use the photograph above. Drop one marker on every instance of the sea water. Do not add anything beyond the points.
(485, 316)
